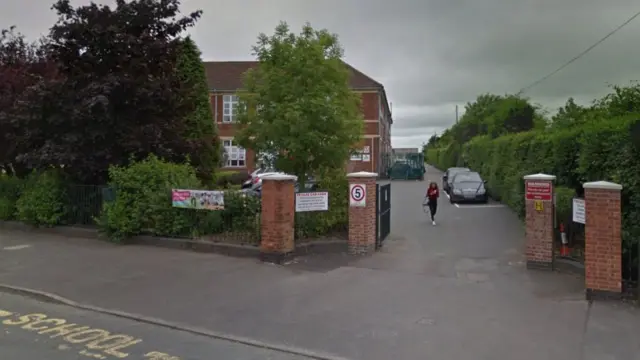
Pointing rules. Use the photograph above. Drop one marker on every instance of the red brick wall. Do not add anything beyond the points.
(369, 105)
(371, 111)
(539, 233)
(371, 128)
(603, 240)
(362, 220)
(277, 219)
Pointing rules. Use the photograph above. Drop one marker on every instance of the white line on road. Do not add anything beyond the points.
(472, 206)
(16, 247)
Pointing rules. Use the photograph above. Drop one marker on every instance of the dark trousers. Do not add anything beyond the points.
(433, 208)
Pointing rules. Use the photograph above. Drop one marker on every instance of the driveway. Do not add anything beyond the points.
(458, 290)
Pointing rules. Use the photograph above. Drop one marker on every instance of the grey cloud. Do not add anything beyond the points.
(429, 54)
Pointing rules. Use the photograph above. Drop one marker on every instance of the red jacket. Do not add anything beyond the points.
(433, 193)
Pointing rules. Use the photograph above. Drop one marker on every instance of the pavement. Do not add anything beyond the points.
(458, 290)
(31, 329)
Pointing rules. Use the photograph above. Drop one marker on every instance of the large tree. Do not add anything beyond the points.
(24, 68)
(120, 97)
(199, 125)
(297, 102)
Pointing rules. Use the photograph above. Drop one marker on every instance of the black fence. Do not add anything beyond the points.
(631, 270)
(84, 203)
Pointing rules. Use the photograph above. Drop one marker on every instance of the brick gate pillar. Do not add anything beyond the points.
(362, 212)
(277, 218)
(539, 194)
(603, 240)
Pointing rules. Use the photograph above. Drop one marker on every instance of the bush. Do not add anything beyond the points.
(143, 204)
(42, 201)
(229, 179)
(599, 150)
(10, 190)
(336, 219)
(143, 200)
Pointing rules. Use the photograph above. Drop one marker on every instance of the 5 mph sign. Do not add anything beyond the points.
(358, 195)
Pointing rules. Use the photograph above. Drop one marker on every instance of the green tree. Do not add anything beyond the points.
(199, 124)
(297, 103)
(570, 115)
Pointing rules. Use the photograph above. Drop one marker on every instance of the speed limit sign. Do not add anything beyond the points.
(357, 195)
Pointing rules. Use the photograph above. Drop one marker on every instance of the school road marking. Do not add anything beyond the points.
(90, 342)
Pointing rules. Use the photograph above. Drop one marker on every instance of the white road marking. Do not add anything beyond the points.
(16, 247)
(471, 206)
(456, 205)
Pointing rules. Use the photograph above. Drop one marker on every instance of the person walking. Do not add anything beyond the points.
(432, 197)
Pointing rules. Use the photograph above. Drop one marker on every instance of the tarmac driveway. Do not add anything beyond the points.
(458, 290)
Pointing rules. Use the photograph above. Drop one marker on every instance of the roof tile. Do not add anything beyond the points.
(227, 75)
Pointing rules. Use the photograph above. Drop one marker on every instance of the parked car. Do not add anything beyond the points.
(256, 180)
(254, 175)
(310, 185)
(448, 175)
(467, 186)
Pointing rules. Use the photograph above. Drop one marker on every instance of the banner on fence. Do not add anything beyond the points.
(312, 201)
(197, 199)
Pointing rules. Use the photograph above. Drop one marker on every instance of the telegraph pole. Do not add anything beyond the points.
(456, 114)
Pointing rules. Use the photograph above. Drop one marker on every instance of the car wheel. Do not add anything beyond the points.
(451, 200)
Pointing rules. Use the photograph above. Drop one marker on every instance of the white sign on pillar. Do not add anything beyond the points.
(357, 195)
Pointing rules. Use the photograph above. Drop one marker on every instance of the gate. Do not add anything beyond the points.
(383, 213)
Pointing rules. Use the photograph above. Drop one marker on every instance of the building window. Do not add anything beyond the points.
(236, 156)
(229, 105)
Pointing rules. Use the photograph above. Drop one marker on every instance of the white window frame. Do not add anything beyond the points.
(229, 108)
(236, 155)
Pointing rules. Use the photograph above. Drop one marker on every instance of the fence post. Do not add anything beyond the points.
(277, 218)
(362, 212)
(603, 240)
(539, 220)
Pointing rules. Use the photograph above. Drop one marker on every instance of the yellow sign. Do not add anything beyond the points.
(538, 204)
(90, 342)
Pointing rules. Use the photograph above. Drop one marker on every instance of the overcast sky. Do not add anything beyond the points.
(429, 54)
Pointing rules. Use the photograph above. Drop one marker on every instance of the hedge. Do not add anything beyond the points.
(137, 200)
(599, 150)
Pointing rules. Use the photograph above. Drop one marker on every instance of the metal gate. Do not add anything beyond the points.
(383, 213)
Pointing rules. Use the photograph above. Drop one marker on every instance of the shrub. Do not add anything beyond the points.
(10, 190)
(228, 179)
(603, 149)
(42, 201)
(143, 200)
(143, 204)
(309, 225)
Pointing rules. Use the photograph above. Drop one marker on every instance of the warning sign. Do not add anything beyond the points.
(538, 190)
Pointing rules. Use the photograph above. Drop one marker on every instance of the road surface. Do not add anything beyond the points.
(30, 330)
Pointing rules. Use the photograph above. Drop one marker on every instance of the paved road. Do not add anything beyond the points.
(30, 329)
(455, 291)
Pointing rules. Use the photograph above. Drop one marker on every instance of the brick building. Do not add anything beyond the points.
(225, 78)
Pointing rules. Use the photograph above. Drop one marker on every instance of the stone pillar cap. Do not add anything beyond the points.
(539, 176)
(362, 174)
(605, 185)
(280, 177)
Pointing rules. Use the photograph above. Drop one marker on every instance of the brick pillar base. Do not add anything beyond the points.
(362, 216)
(603, 240)
(539, 221)
(277, 218)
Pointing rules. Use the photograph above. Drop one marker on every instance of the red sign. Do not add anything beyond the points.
(538, 190)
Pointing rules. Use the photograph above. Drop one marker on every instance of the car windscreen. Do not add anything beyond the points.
(467, 178)
(453, 172)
